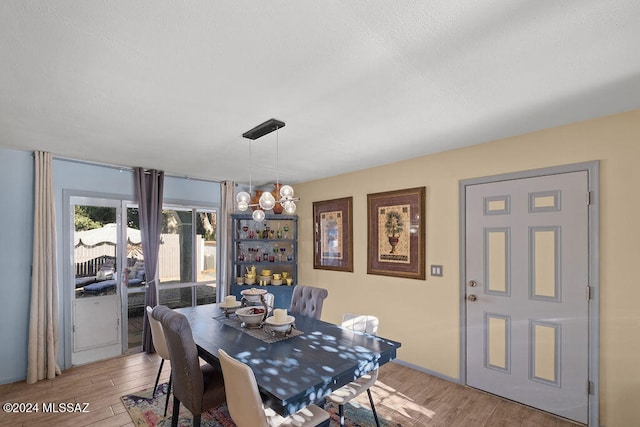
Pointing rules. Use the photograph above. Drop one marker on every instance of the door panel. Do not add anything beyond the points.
(527, 266)
(96, 325)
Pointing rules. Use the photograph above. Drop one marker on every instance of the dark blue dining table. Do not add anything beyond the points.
(299, 370)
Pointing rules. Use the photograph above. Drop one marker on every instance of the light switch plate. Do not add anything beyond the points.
(436, 270)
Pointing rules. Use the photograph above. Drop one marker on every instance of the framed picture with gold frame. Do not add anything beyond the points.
(396, 237)
(333, 234)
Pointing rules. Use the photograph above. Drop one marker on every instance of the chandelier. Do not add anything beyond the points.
(267, 201)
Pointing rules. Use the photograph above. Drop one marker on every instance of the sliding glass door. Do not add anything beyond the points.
(96, 256)
(108, 276)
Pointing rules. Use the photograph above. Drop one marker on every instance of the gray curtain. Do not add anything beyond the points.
(228, 190)
(43, 314)
(149, 187)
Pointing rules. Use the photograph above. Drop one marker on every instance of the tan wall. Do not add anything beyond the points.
(424, 315)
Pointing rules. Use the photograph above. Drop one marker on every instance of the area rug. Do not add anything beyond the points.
(147, 411)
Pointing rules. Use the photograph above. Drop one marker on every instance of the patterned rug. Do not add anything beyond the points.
(146, 411)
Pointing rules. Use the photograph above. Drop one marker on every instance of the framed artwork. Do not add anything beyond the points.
(396, 224)
(333, 234)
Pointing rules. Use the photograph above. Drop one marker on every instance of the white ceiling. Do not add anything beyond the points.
(173, 84)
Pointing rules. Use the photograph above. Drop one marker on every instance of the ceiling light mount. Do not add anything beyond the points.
(264, 128)
(267, 201)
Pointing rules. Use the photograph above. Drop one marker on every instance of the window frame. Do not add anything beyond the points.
(194, 283)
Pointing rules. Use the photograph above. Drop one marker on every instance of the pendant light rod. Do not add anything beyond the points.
(277, 159)
(250, 163)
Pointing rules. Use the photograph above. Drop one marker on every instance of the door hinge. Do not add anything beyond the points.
(589, 387)
(588, 198)
(588, 292)
(74, 329)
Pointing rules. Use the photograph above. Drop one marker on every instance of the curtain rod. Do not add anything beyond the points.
(122, 168)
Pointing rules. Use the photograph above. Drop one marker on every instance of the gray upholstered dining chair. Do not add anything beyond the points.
(342, 396)
(197, 387)
(245, 404)
(308, 300)
(160, 344)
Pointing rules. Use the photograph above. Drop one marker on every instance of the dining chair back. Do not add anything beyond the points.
(160, 344)
(197, 388)
(342, 396)
(245, 404)
(360, 322)
(308, 301)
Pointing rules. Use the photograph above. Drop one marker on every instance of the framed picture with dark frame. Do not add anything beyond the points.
(333, 234)
(396, 238)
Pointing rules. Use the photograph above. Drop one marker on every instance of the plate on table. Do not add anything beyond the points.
(230, 307)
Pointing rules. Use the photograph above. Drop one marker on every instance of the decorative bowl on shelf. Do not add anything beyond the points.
(280, 327)
(276, 282)
(253, 295)
(251, 316)
(250, 281)
(265, 273)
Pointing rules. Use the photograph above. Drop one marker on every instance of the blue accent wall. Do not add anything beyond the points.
(16, 246)
(16, 237)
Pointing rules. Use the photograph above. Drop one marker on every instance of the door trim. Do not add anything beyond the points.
(593, 173)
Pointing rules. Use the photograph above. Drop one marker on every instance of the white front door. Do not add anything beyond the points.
(527, 306)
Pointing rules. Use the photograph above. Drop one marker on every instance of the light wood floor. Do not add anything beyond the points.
(403, 395)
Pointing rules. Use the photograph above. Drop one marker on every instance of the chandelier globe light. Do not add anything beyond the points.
(267, 200)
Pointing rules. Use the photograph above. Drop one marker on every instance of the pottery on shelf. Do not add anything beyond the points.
(277, 209)
(256, 199)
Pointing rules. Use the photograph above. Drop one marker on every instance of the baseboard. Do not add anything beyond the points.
(427, 371)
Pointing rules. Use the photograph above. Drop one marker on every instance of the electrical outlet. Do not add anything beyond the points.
(436, 270)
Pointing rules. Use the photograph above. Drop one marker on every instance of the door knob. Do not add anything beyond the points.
(472, 297)
(473, 283)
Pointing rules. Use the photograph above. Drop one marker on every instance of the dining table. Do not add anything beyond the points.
(295, 369)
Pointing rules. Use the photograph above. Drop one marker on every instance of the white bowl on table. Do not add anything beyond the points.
(251, 316)
(253, 294)
(280, 326)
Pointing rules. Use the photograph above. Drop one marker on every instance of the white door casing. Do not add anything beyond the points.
(527, 253)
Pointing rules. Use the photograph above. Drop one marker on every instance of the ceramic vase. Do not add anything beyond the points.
(277, 209)
(255, 199)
